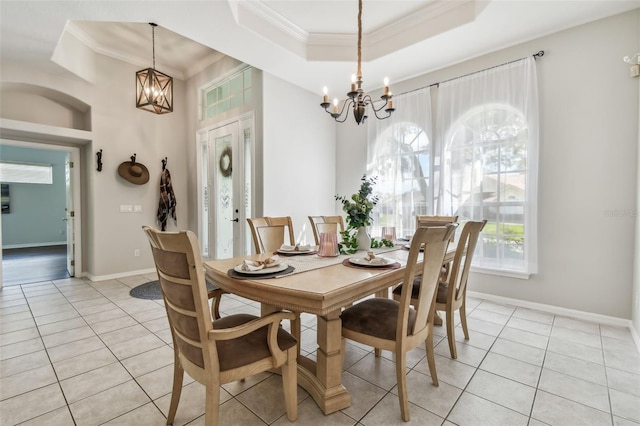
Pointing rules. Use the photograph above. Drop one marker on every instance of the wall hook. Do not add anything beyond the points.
(99, 155)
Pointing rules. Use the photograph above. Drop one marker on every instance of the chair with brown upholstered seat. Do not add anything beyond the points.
(395, 325)
(222, 351)
(269, 232)
(328, 224)
(452, 293)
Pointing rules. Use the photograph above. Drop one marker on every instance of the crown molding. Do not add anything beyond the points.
(139, 61)
(435, 18)
(262, 20)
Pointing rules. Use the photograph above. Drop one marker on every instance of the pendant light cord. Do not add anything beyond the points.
(153, 43)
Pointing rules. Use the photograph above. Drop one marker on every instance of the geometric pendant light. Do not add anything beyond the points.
(154, 90)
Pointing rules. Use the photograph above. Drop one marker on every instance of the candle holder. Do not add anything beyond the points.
(328, 245)
(389, 233)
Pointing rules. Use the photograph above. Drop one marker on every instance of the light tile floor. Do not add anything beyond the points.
(73, 352)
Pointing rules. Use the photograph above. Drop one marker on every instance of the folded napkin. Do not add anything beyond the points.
(372, 259)
(256, 265)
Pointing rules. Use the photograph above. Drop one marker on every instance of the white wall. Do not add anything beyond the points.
(588, 156)
(121, 130)
(299, 155)
(110, 237)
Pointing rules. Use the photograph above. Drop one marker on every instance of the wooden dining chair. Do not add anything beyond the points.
(328, 224)
(452, 292)
(397, 326)
(219, 351)
(269, 233)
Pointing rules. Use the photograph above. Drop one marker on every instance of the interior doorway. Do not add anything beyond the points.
(41, 226)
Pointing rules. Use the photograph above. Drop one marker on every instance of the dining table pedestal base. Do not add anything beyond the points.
(329, 399)
(322, 378)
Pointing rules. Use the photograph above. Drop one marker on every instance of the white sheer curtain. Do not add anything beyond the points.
(400, 155)
(488, 144)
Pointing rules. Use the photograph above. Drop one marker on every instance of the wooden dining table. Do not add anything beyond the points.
(321, 286)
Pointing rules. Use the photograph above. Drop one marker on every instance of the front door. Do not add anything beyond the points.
(226, 182)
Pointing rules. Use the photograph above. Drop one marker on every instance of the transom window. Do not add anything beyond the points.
(233, 92)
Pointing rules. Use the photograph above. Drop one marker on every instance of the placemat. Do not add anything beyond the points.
(394, 265)
(233, 274)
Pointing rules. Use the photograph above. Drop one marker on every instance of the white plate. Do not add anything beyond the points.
(278, 268)
(364, 262)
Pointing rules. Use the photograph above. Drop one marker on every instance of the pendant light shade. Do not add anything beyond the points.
(154, 89)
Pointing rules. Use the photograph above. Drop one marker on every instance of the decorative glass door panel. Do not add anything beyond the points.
(70, 217)
(223, 149)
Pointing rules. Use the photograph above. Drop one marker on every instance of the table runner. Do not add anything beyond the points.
(304, 263)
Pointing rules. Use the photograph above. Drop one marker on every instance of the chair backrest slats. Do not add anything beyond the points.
(328, 224)
(435, 241)
(424, 221)
(266, 239)
(464, 256)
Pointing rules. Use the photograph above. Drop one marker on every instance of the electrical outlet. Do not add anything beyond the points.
(136, 253)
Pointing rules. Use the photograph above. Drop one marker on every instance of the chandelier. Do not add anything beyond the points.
(154, 90)
(357, 99)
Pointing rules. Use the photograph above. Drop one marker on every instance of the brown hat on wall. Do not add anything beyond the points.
(135, 173)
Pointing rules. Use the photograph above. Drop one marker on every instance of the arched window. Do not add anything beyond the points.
(479, 163)
(485, 177)
(400, 155)
(402, 162)
(488, 143)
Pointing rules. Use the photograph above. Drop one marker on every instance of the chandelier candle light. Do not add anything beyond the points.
(356, 96)
(154, 90)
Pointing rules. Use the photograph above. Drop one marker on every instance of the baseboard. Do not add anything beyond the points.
(636, 337)
(30, 245)
(586, 316)
(96, 278)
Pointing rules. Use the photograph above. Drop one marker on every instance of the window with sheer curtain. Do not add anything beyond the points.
(400, 155)
(483, 164)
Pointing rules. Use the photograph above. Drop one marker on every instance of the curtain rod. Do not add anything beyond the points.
(539, 54)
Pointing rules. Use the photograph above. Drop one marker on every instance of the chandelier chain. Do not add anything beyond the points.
(359, 75)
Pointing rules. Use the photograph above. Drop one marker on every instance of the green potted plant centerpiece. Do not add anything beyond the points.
(358, 209)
